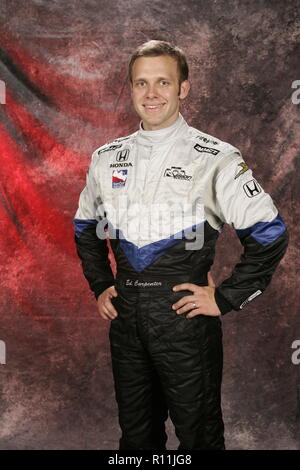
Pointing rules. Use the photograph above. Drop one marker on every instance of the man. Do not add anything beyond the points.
(155, 190)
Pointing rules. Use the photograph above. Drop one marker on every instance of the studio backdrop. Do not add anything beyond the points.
(64, 92)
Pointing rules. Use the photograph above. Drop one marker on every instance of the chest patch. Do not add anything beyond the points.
(119, 178)
(177, 172)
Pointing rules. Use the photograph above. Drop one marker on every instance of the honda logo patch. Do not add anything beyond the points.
(122, 155)
(252, 188)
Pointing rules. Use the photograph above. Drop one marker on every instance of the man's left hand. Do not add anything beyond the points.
(201, 302)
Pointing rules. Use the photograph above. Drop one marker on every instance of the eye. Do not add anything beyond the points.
(140, 84)
(164, 82)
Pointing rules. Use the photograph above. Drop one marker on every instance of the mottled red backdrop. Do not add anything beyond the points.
(64, 66)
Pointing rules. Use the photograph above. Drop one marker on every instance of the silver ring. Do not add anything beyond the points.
(194, 306)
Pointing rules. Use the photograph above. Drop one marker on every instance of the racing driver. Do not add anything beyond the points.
(162, 196)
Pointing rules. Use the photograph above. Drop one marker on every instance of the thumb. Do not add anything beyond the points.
(210, 280)
(113, 291)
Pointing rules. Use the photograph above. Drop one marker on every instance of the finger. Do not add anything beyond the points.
(108, 316)
(194, 313)
(185, 286)
(187, 308)
(183, 301)
(211, 282)
(113, 291)
(110, 306)
(110, 310)
(200, 311)
(108, 313)
(103, 315)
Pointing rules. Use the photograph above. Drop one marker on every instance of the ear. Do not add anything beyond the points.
(184, 89)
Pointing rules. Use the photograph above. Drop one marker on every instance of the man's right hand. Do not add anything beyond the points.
(105, 306)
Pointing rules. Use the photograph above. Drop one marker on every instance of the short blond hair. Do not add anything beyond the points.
(155, 48)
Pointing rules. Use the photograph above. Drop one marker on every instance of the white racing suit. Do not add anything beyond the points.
(154, 191)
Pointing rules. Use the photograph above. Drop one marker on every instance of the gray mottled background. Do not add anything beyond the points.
(64, 64)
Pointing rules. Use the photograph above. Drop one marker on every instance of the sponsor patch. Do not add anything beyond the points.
(119, 178)
(258, 292)
(120, 165)
(206, 140)
(121, 139)
(177, 172)
(108, 149)
(244, 168)
(201, 148)
(122, 155)
(252, 188)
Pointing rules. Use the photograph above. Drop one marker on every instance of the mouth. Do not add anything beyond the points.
(152, 108)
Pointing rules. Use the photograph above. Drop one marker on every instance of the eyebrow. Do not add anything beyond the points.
(144, 79)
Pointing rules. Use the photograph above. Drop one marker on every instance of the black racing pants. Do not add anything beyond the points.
(164, 362)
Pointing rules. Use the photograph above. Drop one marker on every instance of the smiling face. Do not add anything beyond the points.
(155, 91)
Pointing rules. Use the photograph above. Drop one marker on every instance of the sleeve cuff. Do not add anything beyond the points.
(222, 303)
(99, 288)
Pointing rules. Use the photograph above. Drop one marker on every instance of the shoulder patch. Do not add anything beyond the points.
(206, 140)
(242, 170)
(252, 188)
(114, 144)
(202, 148)
(121, 139)
(109, 148)
(211, 144)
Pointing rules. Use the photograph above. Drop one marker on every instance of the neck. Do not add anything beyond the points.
(163, 135)
(155, 128)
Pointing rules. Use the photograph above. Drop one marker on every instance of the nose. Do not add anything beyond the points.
(151, 91)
